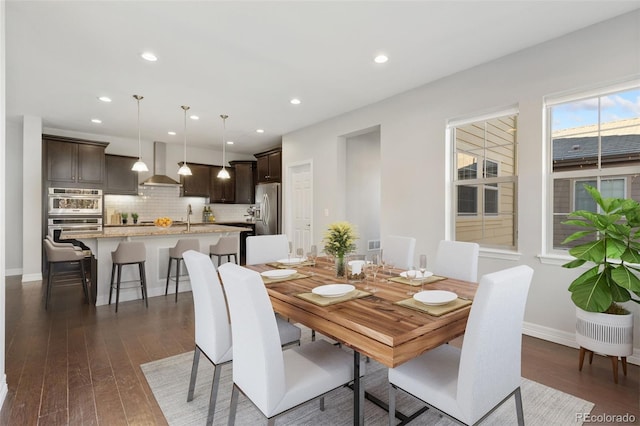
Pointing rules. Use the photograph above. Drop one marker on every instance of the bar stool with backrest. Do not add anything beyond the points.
(128, 253)
(57, 255)
(226, 246)
(176, 253)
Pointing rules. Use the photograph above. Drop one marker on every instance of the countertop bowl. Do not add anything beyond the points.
(163, 222)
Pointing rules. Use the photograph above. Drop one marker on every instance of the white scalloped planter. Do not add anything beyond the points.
(605, 333)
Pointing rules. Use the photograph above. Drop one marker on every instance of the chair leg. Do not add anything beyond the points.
(214, 393)
(624, 364)
(118, 286)
(143, 281)
(392, 405)
(48, 289)
(166, 287)
(233, 405)
(519, 412)
(84, 282)
(194, 373)
(322, 403)
(177, 276)
(581, 360)
(113, 274)
(235, 258)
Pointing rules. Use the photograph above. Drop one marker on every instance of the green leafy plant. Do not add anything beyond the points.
(615, 253)
(124, 215)
(340, 239)
(134, 216)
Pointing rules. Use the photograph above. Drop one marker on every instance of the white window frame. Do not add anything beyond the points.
(549, 254)
(453, 183)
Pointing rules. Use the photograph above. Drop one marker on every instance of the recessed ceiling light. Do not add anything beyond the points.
(96, 120)
(260, 131)
(104, 99)
(295, 101)
(148, 56)
(380, 59)
(194, 117)
(171, 133)
(229, 142)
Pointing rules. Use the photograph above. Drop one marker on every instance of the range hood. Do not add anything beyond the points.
(160, 177)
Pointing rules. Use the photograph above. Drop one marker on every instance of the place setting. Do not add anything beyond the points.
(278, 275)
(435, 302)
(331, 294)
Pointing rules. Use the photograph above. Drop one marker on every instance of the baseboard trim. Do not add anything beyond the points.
(564, 338)
(13, 272)
(32, 277)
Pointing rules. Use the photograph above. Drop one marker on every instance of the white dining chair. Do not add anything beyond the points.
(458, 260)
(467, 384)
(399, 251)
(266, 248)
(212, 327)
(273, 380)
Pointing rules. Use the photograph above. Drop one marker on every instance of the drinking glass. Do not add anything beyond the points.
(300, 253)
(422, 269)
(372, 266)
(313, 254)
(411, 276)
(290, 251)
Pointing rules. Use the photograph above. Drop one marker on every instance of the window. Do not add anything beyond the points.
(485, 179)
(594, 140)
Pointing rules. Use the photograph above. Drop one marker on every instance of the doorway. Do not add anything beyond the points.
(301, 196)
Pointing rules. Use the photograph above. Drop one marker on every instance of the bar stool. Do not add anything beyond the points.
(226, 246)
(129, 253)
(175, 253)
(63, 255)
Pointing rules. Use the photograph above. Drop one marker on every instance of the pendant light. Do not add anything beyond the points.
(224, 174)
(139, 165)
(184, 170)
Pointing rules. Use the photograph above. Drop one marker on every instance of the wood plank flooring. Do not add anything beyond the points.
(76, 364)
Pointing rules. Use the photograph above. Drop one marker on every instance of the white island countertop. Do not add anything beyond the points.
(144, 231)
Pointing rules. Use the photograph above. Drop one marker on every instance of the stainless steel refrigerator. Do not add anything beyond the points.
(268, 209)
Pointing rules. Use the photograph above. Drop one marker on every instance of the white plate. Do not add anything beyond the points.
(278, 273)
(333, 290)
(419, 275)
(292, 261)
(435, 297)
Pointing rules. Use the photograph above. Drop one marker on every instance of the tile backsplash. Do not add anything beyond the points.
(156, 201)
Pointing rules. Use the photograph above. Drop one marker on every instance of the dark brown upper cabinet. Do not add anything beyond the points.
(222, 190)
(269, 165)
(245, 187)
(196, 185)
(74, 162)
(120, 178)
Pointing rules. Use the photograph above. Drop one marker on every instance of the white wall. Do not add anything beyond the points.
(413, 152)
(13, 193)
(3, 198)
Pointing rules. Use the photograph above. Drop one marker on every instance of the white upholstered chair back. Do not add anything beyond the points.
(266, 248)
(458, 260)
(490, 358)
(258, 364)
(212, 328)
(399, 250)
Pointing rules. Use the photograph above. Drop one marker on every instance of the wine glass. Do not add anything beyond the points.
(299, 254)
(313, 254)
(411, 276)
(422, 269)
(290, 251)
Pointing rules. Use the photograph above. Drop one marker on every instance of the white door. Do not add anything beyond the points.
(302, 206)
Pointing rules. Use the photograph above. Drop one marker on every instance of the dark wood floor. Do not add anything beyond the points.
(77, 364)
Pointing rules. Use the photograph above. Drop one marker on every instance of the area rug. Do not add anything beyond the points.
(169, 381)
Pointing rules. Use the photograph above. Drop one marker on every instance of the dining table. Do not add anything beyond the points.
(380, 320)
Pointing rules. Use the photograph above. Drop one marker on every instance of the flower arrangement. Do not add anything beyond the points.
(340, 239)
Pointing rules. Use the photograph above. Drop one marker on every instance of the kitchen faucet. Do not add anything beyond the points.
(189, 213)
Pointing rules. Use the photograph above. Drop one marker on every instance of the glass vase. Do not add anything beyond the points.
(340, 266)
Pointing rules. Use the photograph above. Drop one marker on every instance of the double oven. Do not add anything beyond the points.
(74, 210)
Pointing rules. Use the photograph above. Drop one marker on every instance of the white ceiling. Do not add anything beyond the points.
(248, 59)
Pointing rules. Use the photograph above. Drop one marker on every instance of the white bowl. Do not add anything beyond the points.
(333, 290)
(435, 297)
(419, 274)
(292, 261)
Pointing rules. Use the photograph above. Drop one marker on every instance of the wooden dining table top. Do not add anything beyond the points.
(373, 325)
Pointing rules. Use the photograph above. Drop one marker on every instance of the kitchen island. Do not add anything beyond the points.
(158, 242)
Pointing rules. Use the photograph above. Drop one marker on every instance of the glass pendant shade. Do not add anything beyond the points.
(184, 170)
(139, 165)
(224, 174)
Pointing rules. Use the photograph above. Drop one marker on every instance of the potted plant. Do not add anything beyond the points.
(124, 218)
(134, 216)
(339, 240)
(613, 247)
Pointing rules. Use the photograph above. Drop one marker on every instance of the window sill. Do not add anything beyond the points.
(499, 254)
(554, 259)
